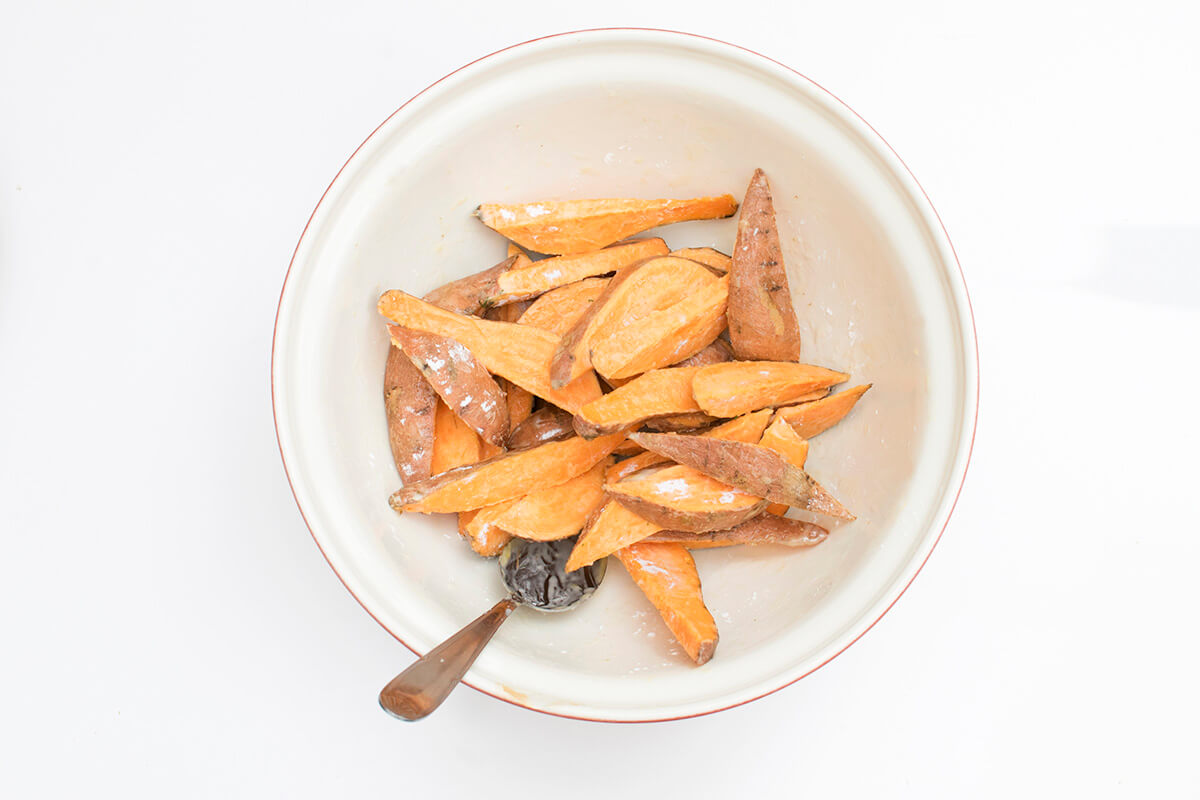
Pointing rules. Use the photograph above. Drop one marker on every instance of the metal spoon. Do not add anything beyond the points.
(534, 574)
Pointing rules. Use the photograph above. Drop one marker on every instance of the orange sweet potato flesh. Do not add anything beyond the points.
(505, 476)
(540, 277)
(459, 379)
(410, 405)
(631, 294)
(763, 529)
(737, 387)
(780, 437)
(559, 309)
(666, 574)
(611, 528)
(707, 256)
(523, 259)
(482, 533)
(454, 443)
(749, 467)
(746, 428)
(472, 294)
(818, 416)
(718, 352)
(680, 498)
(577, 226)
(657, 393)
(547, 424)
(664, 337)
(556, 512)
(518, 400)
(762, 319)
(520, 353)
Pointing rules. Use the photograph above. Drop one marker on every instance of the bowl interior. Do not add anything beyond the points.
(653, 115)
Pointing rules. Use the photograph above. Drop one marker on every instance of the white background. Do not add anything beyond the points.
(170, 629)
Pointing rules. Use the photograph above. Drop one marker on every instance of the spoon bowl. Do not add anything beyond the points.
(535, 575)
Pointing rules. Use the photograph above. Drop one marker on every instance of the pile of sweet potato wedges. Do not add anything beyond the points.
(648, 401)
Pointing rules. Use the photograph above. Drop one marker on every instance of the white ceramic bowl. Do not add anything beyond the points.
(653, 114)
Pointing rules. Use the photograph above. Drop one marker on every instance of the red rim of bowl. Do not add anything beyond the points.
(970, 312)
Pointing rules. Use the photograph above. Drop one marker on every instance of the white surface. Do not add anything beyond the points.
(596, 114)
(170, 627)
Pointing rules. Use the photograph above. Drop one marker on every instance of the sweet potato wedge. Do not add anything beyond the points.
(738, 387)
(611, 528)
(459, 379)
(763, 529)
(518, 400)
(680, 498)
(520, 353)
(749, 467)
(631, 294)
(663, 337)
(780, 437)
(540, 277)
(454, 443)
(410, 405)
(707, 256)
(658, 393)
(472, 294)
(577, 226)
(666, 574)
(523, 259)
(559, 309)
(746, 428)
(506, 476)
(482, 533)
(716, 353)
(548, 424)
(556, 512)
(762, 319)
(809, 419)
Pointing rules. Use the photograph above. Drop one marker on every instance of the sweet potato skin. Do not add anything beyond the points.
(763, 529)
(459, 379)
(780, 437)
(658, 393)
(577, 226)
(718, 352)
(738, 387)
(746, 428)
(504, 477)
(472, 294)
(410, 406)
(749, 467)
(820, 415)
(519, 353)
(548, 424)
(762, 319)
(680, 422)
(666, 574)
(679, 498)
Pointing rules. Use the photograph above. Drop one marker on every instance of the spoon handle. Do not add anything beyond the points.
(416, 692)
